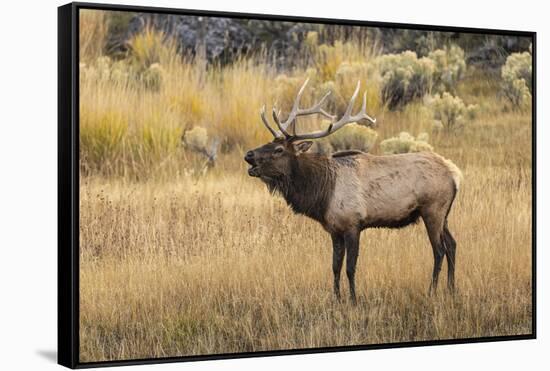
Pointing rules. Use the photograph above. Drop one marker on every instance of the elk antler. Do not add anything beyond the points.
(346, 119)
(264, 120)
(297, 111)
(316, 108)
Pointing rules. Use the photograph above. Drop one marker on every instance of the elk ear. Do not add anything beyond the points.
(302, 146)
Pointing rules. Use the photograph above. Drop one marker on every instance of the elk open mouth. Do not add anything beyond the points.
(253, 171)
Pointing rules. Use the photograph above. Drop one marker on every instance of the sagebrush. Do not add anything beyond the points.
(517, 79)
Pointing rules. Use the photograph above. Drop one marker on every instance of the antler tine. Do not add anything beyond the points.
(346, 118)
(297, 111)
(295, 108)
(278, 122)
(301, 91)
(317, 108)
(363, 112)
(347, 115)
(266, 123)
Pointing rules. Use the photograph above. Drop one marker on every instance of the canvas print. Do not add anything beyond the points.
(254, 185)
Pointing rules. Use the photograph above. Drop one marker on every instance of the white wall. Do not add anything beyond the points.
(28, 182)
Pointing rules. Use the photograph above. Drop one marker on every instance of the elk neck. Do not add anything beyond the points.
(309, 186)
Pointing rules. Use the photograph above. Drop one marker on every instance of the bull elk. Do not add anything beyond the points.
(350, 191)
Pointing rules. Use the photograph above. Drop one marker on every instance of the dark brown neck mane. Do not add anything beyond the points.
(309, 186)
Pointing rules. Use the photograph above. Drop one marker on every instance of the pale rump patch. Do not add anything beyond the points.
(455, 171)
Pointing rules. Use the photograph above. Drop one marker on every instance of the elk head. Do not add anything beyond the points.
(274, 160)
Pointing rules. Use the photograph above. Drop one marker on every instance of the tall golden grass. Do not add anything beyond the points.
(92, 33)
(173, 263)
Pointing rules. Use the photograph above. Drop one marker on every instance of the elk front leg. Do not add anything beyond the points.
(434, 225)
(338, 250)
(352, 252)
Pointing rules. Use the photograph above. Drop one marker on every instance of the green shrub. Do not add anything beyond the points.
(286, 88)
(197, 140)
(353, 136)
(149, 52)
(152, 77)
(517, 79)
(328, 58)
(404, 78)
(99, 70)
(406, 143)
(121, 73)
(105, 70)
(449, 68)
(450, 112)
(345, 82)
(323, 147)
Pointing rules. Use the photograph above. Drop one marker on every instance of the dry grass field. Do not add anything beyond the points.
(177, 262)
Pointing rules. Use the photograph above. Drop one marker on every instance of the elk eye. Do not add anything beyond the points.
(278, 150)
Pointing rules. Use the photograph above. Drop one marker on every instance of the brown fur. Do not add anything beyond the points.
(308, 187)
(351, 191)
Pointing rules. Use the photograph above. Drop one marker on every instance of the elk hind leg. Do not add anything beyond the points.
(450, 252)
(338, 251)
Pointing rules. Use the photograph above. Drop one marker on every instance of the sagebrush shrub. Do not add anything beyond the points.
(345, 82)
(322, 147)
(285, 89)
(122, 73)
(196, 139)
(348, 74)
(149, 52)
(406, 143)
(152, 76)
(449, 68)
(98, 70)
(328, 58)
(517, 78)
(353, 136)
(404, 78)
(450, 112)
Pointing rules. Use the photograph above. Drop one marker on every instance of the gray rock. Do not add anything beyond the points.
(219, 38)
(224, 39)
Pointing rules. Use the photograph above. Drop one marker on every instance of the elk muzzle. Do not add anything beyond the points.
(251, 159)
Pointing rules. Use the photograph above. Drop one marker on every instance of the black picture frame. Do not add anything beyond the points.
(68, 184)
